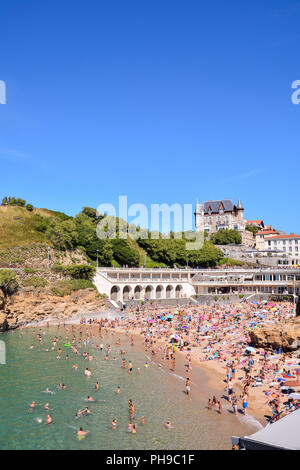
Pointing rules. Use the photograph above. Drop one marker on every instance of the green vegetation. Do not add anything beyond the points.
(12, 201)
(223, 237)
(252, 228)
(29, 271)
(23, 228)
(62, 288)
(76, 271)
(173, 252)
(34, 281)
(8, 282)
(230, 262)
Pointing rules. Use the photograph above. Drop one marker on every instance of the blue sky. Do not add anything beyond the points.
(160, 100)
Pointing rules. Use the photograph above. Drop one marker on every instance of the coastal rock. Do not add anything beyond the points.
(3, 323)
(34, 304)
(285, 335)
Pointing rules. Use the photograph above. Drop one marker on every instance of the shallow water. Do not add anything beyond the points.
(158, 394)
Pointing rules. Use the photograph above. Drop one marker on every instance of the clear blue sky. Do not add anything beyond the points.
(160, 100)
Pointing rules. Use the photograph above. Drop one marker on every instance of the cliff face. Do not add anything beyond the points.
(34, 304)
(284, 334)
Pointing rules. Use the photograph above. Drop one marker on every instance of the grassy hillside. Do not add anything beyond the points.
(17, 226)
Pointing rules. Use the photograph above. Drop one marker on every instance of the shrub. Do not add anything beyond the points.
(29, 271)
(62, 288)
(80, 271)
(34, 281)
(8, 282)
(29, 207)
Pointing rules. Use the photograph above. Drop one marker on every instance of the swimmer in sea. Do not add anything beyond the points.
(90, 398)
(46, 406)
(87, 372)
(81, 432)
(129, 429)
(133, 429)
(118, 391)
(143, 420)
(114, 424)
(97, 386)
(130, 366)
(168, 425)
(49, 419)
(33, 405)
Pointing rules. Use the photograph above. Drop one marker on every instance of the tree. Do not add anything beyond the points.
(29, 207)
(223, 237)
(252, 228)
(80, 271)
(63, 234)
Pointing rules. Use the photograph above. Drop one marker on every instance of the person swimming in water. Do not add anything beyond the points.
(81, 432)
(114, 424)
(49, 420)
(118, 391)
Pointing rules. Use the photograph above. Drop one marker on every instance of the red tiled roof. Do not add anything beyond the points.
(254, 222)
(292, 235)
(265, 232)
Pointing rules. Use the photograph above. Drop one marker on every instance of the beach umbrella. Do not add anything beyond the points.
(254, 302)
(170, 316)
(151, 320)
(162, 318)
(250, 349)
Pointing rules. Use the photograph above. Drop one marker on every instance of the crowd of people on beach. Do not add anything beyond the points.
(217, 337)
(214, 337)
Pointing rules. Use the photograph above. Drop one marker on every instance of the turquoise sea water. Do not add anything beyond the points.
(158, 394)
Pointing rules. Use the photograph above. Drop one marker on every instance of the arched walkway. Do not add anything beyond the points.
(159, 292)
(138, 292)
(149, 292)
(169, 292)
(115, 293)
(178, 291)
(126, 293)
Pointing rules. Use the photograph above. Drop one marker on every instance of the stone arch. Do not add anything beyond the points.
(115, 293)
(178, 291)
(169, 292)
(159, 291)
(138, 292)
(126, 293)
(149, 292)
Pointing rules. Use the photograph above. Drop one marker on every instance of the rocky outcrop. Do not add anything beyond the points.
(285, 334)
(3, 323)
(33, 304)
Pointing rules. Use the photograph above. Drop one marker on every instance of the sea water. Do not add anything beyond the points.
(158, 394)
